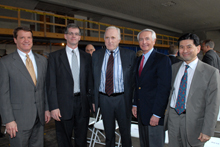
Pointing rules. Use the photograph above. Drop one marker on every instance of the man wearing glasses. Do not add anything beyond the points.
(69, 82)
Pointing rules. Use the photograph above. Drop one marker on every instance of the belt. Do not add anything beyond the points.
(112, 95)
(77, 94)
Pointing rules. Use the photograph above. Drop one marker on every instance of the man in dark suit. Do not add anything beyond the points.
(69, 81)
(210, 57)
(113, 70)
(23, 100)
(173, 50)
(193, 106)
(153, 82)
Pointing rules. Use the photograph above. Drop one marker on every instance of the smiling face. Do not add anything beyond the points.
(24, 41)
(112, 39)
(72, 37)
(146, 42)
(188, 50)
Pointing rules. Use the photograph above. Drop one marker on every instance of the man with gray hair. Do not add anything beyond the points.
(210, 57)
(153, 82)
(113, 71)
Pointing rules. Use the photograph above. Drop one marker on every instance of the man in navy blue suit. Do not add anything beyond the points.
(153, 82)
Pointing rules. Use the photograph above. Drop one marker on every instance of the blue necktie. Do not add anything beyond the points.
(180, 103)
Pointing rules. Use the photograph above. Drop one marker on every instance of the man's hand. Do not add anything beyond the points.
(154, 121)
(93, 106)
(203, 137)
(55, 114)
(11, 128)
(134, 111)
(47, 116)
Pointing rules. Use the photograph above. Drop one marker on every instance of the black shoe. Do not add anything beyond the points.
(2, 135)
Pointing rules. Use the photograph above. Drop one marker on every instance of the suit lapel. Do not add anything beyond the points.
(148, 64)
(39, 67)
(65, 61)
(82, 64)
(19, 64)
(198, 74)
(100, 62)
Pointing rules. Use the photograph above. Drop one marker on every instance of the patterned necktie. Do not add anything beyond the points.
(75, 72)
(30, 69)
(141, 66)
(180, 103)
(109, 75)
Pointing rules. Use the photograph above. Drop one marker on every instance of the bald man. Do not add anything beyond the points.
(90, 49)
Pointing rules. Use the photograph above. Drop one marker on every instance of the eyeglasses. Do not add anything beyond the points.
(71, 33)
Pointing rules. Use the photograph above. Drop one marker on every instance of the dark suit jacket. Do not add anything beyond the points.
(60, 83)
(20, 99)
(153, 87)
(212, 59)
(128, 62)
(174, 59)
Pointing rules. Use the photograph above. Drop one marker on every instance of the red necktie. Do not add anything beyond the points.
(141, 66)
(109, 75)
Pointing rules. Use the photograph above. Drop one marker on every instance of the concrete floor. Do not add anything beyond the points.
(50, 137)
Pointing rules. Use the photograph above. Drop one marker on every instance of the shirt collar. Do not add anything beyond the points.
(24, 54)
(193, 64)
(69, 50)
(146, 56)
(114, 51)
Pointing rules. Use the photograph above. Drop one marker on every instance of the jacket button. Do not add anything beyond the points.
(139, 87)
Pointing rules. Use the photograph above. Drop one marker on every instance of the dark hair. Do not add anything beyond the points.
(190, 36)
(15, 33)
(173, 49)
(72, 25)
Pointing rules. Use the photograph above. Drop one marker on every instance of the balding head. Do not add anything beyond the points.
(90, 49)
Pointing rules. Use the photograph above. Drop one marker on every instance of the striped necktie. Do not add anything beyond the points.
(109, 75)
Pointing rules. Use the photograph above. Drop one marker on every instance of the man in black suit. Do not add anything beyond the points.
(69, 81)
(113, 70)
(173, 50)
(210, 57)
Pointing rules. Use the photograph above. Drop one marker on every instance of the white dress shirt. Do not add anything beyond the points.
(69, 54)
(190, 71)
(31, 56)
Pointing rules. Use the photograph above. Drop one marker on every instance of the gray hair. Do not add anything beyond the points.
(113, 27)
(209, 43)
(153, 34)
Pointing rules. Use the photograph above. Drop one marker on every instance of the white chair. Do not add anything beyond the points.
(98, 127)
(134, 131)
(218, 120)
(213, 142)
(166, 137)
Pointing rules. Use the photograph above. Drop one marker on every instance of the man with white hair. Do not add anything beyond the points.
(113, 71)
(153, 82)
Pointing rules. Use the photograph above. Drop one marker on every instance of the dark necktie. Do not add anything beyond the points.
(141, 66)
(180, 103)
(109, 75)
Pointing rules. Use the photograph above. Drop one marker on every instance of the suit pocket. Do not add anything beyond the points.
(16, 106)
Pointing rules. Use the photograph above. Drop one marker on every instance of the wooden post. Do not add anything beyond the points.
(19, 17)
